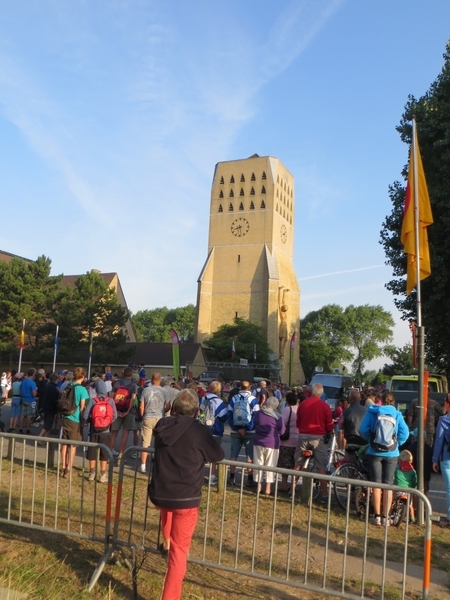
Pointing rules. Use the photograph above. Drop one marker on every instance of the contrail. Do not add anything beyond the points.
(341, 272)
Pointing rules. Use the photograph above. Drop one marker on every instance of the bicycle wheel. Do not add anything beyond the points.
(341, 490)
(307, 482)
(399, 512)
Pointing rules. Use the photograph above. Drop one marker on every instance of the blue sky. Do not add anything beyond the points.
(114, 113)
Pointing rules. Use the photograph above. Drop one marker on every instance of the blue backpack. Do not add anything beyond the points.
(383, 437)
(242, 415)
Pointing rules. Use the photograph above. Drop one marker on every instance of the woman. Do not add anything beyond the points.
(16, 402)
(441, 452)
(3, 384)
(383, 461)
(266, 443)
(286, 455)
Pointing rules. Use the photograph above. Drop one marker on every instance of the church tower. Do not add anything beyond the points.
(249, 272)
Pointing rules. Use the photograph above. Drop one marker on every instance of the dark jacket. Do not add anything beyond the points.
(182, 447)
(351, 420)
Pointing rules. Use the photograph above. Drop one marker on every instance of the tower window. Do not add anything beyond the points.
(232, 179)
(288, 190)
(252, 206)
(290, 220)
(252, 191)
(253, 178)
(241, 206)
(263, 176)
(231, 194)
(239, 258)
(278, 179)
(276, 208)
(230, 208)
(236, 313)
(241, 193)
(221, 194)
(263, 190)
(263, 204)
(221, 180)
(284, 186)
(284, 214)
(291, 193)
(242, 178)
(220, 208)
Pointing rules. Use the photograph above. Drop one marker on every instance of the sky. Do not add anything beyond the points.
(114, 113)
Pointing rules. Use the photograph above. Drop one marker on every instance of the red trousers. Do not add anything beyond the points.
(177, 525)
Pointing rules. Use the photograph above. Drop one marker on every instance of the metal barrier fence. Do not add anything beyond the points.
(34, 494)
(278, 539)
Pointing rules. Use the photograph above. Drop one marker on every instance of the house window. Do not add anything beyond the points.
(221, 180)
(242, 178)
(278, 179)
(230, 208)
(253, 178)
(252, 191)
(263, 190)
(231, 194)
(232, 179)
(290, 220)
(263, 204)
(220, 208)
(239, 258)
(221, 194)
(252, 206)
(276, 208)
(241, 193)
(263, 176)
(241, 206)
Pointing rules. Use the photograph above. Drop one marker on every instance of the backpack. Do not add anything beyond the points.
(242, 415)
(383, 437)
(66, 404)
(102, 415)
(207, 413)
(122, 397)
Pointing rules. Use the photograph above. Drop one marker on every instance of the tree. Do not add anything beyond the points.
(402, 361)
(92, 307)
(155, 325)
(324, 339)
(245, 335)
(367, 328)
(432, 113)
(28, 291)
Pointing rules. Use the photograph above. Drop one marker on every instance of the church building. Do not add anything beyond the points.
(249, 271)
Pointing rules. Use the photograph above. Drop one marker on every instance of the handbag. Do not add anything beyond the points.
(287, 431)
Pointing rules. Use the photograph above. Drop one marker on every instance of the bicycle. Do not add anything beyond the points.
(353, 468)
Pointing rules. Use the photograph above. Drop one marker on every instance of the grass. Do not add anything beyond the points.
(43, 564)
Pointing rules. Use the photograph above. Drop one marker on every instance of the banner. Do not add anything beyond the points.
(175, 352)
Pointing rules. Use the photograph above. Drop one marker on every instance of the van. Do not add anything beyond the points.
(335, 385)
(410, 383)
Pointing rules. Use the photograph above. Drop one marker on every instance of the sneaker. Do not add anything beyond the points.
(103, 478)
(28, 432)
(213, 480)
(376, 521)
(115, 453)
(21, 431)
(142, 469)
(91, 476)
(386, 522)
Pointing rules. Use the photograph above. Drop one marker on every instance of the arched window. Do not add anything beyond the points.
(263, 204)
(241, 193)
(252, 206)
(241, 206)
(221, 180)
(253, 178)
(290, 220)
(263, 176)
(252, 191)
(263, 190)
(284, 186)
(221, 194)
(278, 179)
(220, 208)
(277, 192)
(230, 208)
(276, 208)
(231, 194)
(232, 179)
(284, 214)
(242, 178)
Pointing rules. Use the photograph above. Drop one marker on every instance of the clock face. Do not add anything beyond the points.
(283, 233)
(239, 227)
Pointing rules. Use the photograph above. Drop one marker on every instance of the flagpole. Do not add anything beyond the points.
(22, 339)
(420, 333)
(56, 349)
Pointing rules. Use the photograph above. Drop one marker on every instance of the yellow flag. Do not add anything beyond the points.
(425, 218)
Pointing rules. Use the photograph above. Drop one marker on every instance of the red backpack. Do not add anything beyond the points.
(102, 415)
(122, 397)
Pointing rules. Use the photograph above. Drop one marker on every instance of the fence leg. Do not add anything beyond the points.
(52, 448)
(221, 478)
(99, 568)
(306, 489)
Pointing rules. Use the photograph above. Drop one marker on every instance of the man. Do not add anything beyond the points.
(240, 420)
(314, 424)
(108, 382)
(170, 390)
(71, 424)
(124, 392)
(234, 390)
(152, 407)
(213, 405)
(28, 391)
(351, 419)
(276, 392)
(61, 378)
(41, 382)
(49, 404)
(434, 411)
(182, 447)
(263, 393)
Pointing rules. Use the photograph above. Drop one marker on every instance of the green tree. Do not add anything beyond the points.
(368, 329)
(91, 306)
(402, 361)
(28, 291)
(324, 339)
(245, 336)
(432, 113)
(155, 325)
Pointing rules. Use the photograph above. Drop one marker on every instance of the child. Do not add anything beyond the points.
(405, 476)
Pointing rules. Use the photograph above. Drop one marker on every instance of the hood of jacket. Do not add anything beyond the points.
(169, 429)
(382, 409)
